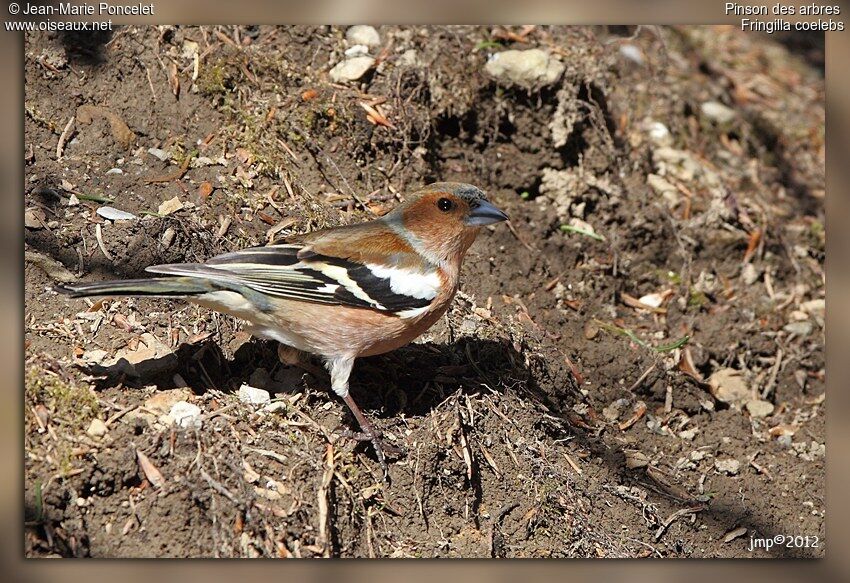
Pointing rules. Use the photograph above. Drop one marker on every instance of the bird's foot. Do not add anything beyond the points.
(382, 447)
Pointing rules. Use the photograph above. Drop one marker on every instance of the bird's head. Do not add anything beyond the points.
(443, 219)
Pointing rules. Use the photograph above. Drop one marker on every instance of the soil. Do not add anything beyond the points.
(648, 382)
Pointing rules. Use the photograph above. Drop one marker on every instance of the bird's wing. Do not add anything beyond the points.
(295, 271)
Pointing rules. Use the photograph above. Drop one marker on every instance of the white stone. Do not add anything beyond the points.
(363, 34)
(253, 395)
(749, 274)
(758, 408)
(729, 466)
(717, 112)
(798, 328)
(356, 50)
(529, 68)
(351, 69)
(659, 134)
(186, 415)
(97, 428)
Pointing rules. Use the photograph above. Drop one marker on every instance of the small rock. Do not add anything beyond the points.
(728, 466)
(758, 408)
(749, 274)
(815, 307)
(356, 50)
(254, 396)
(632, 53)
(798, 328)
(351, 69)
(169, 206)
(528, 68)
(162, 401)
(689, 434)
(34, 218)
(363, 34)
(635, 459)
(115, 171)
(185, 415)
(659, 134)
(663, 188)
(409, 58)
(717, 112)
(613, 411)
(159, 154)
(728, 385)
(97, 428)
(784, 440)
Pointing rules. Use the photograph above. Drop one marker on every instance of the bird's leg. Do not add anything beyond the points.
(340, 370)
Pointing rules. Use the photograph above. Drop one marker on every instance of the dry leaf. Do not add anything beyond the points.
(174, 80)
(205, 189)
(152, 474)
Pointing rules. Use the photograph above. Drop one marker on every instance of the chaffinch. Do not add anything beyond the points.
(342, 292)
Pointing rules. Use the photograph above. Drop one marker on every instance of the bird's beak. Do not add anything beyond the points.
(485, 214)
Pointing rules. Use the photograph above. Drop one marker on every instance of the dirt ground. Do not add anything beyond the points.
(634, 367)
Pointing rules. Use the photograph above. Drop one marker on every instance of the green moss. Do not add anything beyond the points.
(697, 299)
(74, 404)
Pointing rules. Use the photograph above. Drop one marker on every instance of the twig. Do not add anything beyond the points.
(774, 371)
(120, 414)
(99, 235)
(218, 487)
(322, 495)
(673, 518)
(642, 378)
(514, 232)
(60, 146)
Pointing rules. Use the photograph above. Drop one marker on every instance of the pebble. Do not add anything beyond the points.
(363, 34)
(613, 411)
(728, 385)
(758, 408)
(798, 328)
(253, 395)
(169, 206)
(163, 401)
(409, 58)
(160, 154)
(356, 50)
(717, 112)
(529, 68)
(351, 69)
(186, 415)
(115, 171)
(749, 274)
(632, 53)
(659, 134)
(97, 428)
(729, 466)
(815, 307)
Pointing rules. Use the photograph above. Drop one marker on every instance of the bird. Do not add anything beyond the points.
(340, 293)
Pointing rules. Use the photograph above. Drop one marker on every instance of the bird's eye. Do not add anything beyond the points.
(445, 205)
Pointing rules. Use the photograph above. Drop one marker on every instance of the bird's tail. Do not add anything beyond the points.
(156, 286)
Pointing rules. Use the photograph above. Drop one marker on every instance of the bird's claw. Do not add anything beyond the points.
(382, 447)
